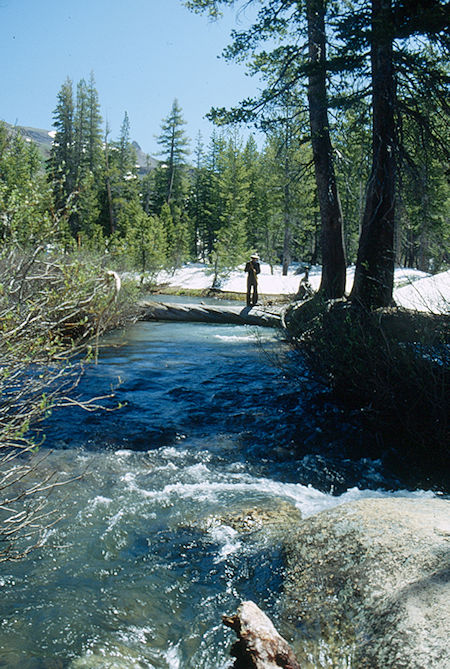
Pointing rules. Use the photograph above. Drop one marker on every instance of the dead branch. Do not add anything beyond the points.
(53, 309)
(259, 645)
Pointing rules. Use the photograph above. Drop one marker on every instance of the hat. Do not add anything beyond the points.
(255, 255)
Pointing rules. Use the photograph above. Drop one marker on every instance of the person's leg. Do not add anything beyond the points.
(249, 288)
(255, 294)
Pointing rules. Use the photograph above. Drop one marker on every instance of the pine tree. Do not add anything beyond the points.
(353, 148)
(333, 257)
(62, 164)
(176, 231)
(283, 68)
(291, 218)
(127, 153)
(231, 246)
(94, 145)
(75, 153)
(81, 131)
(147, 245)
(90, 232)
(174, 145)
(392, 70)
(214, 198)
(399, 61)
(198, 202)
(423, 194)
(374, 275)
(269, 241)
(255, 213)
(122, 182)
(110, 175)
(25, 195)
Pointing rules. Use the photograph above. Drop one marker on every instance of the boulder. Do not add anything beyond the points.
(278, 516)
(369, 581)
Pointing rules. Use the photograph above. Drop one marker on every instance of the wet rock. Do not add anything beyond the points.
(372, 579)
(281, 517)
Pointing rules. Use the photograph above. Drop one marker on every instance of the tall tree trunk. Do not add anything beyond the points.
(333, 256)
(374, 275)
(287, 237)
(171, 168)
(112, 222)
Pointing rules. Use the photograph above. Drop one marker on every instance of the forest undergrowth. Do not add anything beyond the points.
(392, 367)
(53, 309)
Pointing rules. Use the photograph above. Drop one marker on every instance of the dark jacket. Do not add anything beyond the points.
(253, 268)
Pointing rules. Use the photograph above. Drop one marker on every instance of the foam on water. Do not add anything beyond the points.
(173, 658)
(145, 562)
(228, 540)
(137, 577)
(230, 339)
(207, 484)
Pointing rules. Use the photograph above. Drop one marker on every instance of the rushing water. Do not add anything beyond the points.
(145, 561)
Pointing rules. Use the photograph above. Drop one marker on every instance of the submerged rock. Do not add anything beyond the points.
(281, 516)
(371, 578)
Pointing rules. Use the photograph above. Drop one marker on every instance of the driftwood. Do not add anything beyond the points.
(211, 313)
(259, 645)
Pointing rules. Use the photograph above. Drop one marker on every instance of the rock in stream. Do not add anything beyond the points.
(371, 578)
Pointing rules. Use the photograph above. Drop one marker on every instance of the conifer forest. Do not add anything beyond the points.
(348, 163)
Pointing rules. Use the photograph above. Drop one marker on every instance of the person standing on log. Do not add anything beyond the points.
(253, 269)
(305, 289)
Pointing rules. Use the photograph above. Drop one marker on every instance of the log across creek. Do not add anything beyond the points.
(268, 316)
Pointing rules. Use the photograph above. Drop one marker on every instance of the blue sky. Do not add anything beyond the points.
(144, 53)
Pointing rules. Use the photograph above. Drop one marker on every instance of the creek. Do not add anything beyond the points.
(216, 420)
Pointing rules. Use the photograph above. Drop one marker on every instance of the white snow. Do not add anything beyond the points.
(413, 289)
(430, 294)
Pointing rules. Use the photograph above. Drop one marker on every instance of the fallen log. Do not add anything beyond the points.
(260, 646)
(211, 313)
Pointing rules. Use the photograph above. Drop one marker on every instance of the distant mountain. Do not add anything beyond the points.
(144, 160)
(44, 138)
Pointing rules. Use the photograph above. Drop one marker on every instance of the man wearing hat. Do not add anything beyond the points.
(253, 269)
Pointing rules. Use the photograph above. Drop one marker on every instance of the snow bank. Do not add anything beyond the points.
(430, 294)
(413, 289)
(199, 276)
(271, 284)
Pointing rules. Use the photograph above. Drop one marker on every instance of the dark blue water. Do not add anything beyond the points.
(216, 422)
(203, 382)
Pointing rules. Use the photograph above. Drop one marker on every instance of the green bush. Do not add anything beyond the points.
(53, 308)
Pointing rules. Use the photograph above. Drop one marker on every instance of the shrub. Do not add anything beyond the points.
(53, 308)
(394, 366)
